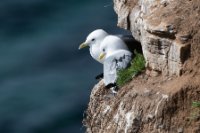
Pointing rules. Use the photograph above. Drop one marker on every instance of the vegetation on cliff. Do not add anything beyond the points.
(137, 65)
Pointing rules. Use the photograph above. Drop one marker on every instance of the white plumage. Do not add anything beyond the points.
(95, 38)
(116, 56)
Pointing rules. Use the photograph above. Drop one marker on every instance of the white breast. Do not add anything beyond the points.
(95, 52)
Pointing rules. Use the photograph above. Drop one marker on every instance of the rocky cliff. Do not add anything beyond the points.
(160, 99)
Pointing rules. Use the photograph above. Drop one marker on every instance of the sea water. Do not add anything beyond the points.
(45, 81)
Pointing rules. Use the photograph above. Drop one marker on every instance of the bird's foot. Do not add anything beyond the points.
(98, 77)
(112, 87)
(114, 90)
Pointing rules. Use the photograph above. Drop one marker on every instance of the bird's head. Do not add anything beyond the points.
(105, 48)
(111, 44)
(94, 37)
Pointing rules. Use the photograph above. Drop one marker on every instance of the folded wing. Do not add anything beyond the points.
(118, 60)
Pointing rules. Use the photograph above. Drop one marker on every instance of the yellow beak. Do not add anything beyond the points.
(101, 56)
(83, 45)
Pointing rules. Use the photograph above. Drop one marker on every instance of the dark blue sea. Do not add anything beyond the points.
(45, 81)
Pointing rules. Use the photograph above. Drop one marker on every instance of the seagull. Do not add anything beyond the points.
(95, 38)
(116, 56)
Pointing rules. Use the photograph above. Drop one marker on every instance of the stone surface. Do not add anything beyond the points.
(153, 27)
(156, 101)
(154, 106)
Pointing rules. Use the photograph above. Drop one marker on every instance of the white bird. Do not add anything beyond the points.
(94, 40)
(116, 56)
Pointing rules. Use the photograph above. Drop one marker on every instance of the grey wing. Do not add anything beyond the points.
(114, 64)
(126, 37)
(123, 61)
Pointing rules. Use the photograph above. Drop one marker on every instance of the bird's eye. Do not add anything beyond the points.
(93, 39)
(104, 50)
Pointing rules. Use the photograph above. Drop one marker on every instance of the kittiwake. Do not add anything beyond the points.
(116, 56)
(95, 38)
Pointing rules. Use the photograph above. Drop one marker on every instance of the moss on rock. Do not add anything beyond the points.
(137, 65)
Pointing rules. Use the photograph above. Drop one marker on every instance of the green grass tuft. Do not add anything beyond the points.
(195, 112)
(196, 104)
(137, 65)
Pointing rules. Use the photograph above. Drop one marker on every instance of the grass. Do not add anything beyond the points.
(195, 113)
(137, 65)
(196, 104)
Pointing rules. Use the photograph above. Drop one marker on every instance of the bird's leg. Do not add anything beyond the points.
(114, 90)
(100, 76)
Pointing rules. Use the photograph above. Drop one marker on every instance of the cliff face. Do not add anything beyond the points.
(163, 27)
(160, 99)
(145, 105)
